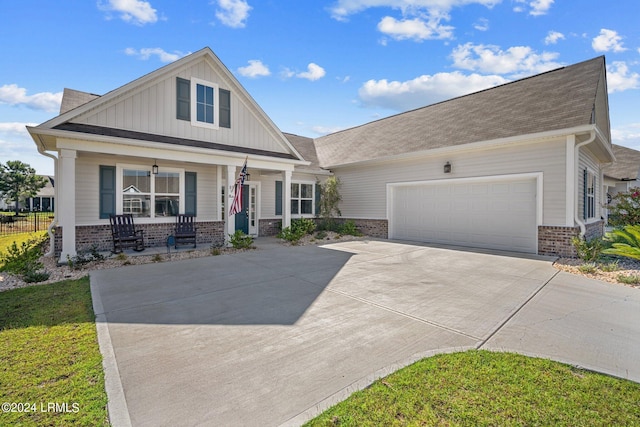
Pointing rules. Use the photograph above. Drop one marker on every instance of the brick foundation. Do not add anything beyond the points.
(557, 241)
(269, 227)
(88, 236)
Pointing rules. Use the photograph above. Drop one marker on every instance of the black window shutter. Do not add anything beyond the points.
(225, 108)
(183, 99)
(107, 191)
(318, 194)
(190, 193)
(584, 194)
(278, 197)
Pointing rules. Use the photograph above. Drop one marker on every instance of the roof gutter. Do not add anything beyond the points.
(576, 217)
(54, 222)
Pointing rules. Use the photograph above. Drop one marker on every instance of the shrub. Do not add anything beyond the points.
(625, 242)
(24, 261)
(588, 250)
(239, 240)
(216, 251)
(304, 225)
(588, 268)
(299, 228)
(624, 208)
(321, 235)
(349, 228)
(632, 279)
(329, 199)
(83, 258)
(610, 266)
(291, 235)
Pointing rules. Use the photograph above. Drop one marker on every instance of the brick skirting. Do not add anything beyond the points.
(269, 227)
(88, 236)
(557, 240)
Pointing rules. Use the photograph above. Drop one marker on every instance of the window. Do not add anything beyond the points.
(203, 103)
(589, 194)
(145, 195)
(302, 198)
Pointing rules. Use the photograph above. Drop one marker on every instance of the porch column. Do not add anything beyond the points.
(67, 203)
(230, 220)
(286, 199)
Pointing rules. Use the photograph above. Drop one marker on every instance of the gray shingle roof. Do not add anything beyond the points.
(627, 164)
(558, 99)
(307, 149)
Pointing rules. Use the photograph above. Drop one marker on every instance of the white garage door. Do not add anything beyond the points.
(488, 213)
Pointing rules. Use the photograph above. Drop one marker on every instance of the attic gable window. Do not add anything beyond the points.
(203, 103)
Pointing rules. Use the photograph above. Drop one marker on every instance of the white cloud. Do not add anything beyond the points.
(16, 144)
(255, 69)
(518, 61)
(16, 96)
(619, 78)
(537, 7)
(135, 11)
(343, 8)
(233, 13)
(148, 52)
(540, 7)
(415, 29)
(627, 135)
(325, 130)
(421, 19)
(481, 24)
(608, 41)
(423, 90)
(314, 72)
(553, 37)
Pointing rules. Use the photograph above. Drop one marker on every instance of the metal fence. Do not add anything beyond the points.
(25, 222)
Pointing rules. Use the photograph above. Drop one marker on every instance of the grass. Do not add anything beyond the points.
(479, 388)
(49, 354)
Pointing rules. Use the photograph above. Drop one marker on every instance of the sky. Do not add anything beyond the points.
(315, 67)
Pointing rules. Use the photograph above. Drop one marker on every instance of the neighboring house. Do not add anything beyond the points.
(43, 201)
(516, 167)
(623, 174)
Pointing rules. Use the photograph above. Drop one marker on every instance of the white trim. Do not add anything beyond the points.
(473, 146)
(570, 181)
(538, 176)
(194, 105)
(153, 218)
(124, 146)
(585, 193)
(313, 199)
(258, 188)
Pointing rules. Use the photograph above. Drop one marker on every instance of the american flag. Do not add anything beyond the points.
(236, 205)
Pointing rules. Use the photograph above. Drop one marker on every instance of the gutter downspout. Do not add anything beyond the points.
(576, 217)
(52, 246)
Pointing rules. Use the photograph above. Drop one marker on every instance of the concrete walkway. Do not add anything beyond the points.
(276, 335)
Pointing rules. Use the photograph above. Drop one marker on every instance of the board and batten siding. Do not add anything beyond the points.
(587, 160)
(151, 108)
(364, 192)
(88, 192)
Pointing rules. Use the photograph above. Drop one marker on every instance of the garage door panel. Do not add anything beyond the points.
(497, 214)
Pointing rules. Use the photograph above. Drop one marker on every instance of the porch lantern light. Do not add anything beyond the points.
(154, 168)
(447, 167)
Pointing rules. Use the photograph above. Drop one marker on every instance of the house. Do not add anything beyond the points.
(516, 167)
(623, 174)
(43, 201)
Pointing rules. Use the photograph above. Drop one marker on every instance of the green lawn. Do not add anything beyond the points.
(480, 388)
(49, 355)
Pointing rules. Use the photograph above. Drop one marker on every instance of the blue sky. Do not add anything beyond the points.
(314, 66)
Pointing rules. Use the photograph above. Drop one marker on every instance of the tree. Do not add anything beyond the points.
(329, 199)
(18, 181)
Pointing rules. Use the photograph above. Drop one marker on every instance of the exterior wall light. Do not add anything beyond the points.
(447, 167)
(154, 168)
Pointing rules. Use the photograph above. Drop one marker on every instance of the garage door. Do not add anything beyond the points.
(484, 213)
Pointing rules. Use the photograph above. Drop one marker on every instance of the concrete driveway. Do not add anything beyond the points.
(275, 336)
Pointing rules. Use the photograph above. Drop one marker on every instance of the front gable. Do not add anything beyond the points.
(167, 103)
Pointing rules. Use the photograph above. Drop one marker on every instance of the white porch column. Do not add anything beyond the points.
(286, 199)
(230, 220)
(67, 202)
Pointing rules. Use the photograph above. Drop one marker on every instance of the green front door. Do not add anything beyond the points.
(242, 218)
